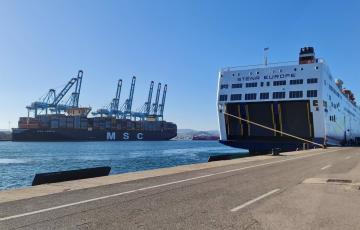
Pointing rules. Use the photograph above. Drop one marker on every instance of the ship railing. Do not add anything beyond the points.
(272, 64)
(245, 67)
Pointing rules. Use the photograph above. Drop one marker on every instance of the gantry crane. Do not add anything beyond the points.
(125, 111)
(43, 104)
(144, 111)
(52, 100)
(113, 108)
(155, 105)
(162, 105)
(73, 101)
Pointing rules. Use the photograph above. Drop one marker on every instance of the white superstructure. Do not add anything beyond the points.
(302, 99)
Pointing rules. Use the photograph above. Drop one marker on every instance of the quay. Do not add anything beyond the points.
(313, 189)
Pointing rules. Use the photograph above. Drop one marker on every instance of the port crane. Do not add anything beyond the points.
(155, 105)
(162, 105)
(125, 111)
(51, 101)
(43, 104)
(73, 101)
(144, 111)
(113, 108)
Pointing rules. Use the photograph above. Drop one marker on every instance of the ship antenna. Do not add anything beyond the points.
(266, 55)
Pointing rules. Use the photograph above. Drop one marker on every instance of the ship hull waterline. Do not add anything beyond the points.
(94, 135)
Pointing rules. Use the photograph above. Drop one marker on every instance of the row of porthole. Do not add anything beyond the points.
(280, 71)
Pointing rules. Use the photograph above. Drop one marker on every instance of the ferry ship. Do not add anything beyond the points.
(286, 106)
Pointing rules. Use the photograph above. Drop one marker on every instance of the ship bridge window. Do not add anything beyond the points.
(264, 96)
(315, 103)
(296, 94)
(312, 80)
(311, 93)
(333, 118)
(250, 96)
(223, 97)
(251, 84)
(234, 86)
(325, 104)
(235, 97)
(278, 95)
(277, 83)
(296, 82)
(225, 86)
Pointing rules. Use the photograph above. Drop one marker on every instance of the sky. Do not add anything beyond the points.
(183, 43)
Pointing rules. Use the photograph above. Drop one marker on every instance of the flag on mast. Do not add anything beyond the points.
(265, 55)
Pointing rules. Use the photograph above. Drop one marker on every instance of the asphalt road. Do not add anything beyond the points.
(248, 195)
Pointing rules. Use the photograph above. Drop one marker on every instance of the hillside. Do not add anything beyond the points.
(5, 135)
(187, 134)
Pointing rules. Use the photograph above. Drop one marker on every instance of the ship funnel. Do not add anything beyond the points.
(307, 55)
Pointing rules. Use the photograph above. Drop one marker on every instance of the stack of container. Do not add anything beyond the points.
(62, 122)
(31, 123)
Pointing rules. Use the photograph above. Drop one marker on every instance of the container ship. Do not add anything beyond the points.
(286, 106)
(56, 117)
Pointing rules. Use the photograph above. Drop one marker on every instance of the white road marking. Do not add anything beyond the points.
(158, 186)
(347, 158)
(254, 200)
(325, 167)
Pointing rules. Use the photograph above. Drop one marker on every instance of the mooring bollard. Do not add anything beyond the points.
(275, 151)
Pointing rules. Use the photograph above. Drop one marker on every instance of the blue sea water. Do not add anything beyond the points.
(20, 161)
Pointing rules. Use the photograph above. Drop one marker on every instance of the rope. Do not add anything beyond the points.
(275, 130)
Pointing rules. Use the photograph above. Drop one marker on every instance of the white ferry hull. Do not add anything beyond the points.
(301, 100)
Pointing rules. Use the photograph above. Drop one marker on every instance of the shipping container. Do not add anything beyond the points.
(54, 124)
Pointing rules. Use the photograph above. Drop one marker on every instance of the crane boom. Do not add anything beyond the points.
(114, 107)
(64, 91)
(76, 94)
(162, 105)
(128, 103)
(131, 96)
(148, 103)
(156, 103)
